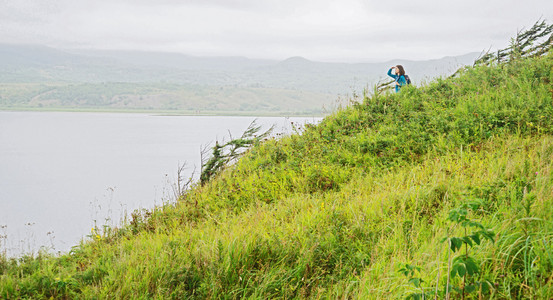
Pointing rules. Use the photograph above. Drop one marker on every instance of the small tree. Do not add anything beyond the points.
(224, 154)
(463, 265)
(535, 41)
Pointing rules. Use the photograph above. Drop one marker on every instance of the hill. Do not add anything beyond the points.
(38, 77)
(398, 195)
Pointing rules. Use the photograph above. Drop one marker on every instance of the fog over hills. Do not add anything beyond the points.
(189, 82)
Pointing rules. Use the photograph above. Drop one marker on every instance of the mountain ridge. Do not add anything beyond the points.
(168, 59)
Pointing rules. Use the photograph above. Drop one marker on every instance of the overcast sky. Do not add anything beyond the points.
(322, 30)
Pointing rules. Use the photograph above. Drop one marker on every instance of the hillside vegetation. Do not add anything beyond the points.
(396, 195)
(163, 98)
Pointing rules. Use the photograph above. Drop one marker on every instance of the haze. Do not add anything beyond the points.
(323, 30)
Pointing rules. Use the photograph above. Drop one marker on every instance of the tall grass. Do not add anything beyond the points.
(336, 210)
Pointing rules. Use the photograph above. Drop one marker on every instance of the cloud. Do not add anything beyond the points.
(348, 30)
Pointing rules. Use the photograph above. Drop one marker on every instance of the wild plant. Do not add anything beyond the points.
(226, 153)
(526, 250)
(464, 266)
(410, 271)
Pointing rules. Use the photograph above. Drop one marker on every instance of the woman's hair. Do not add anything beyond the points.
(401, 70)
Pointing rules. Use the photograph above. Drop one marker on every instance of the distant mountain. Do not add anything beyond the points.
(175, 60)
(34, 56)
(292, 79)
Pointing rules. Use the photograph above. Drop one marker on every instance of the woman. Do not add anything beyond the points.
(399, 76)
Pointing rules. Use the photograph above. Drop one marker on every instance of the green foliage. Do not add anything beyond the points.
(162, 97)
(535, 41)
(463, 265)
(223, 155)
(410, 271)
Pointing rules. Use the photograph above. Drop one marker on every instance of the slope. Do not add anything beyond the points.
(397, 195)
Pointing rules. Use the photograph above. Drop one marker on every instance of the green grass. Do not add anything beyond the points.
(337, 209)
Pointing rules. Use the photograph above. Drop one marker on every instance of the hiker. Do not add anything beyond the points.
(399, 76)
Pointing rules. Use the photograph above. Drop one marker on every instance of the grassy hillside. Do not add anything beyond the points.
(397, 195)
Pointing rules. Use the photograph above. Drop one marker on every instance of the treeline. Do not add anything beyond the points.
(533, 42)
(164, 97)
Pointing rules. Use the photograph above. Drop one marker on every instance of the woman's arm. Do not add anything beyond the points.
(394, 76)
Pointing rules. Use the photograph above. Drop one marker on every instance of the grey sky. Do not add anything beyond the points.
(323, 30)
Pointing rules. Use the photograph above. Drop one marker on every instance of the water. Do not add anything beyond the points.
(62, 172)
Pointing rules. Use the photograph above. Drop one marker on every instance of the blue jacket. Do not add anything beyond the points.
(398, 78)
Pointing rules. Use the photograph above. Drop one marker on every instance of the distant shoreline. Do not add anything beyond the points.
(165, 112)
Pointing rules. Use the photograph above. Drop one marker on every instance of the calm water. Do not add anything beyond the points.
(62, 172)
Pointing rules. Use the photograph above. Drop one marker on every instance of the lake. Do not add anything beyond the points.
(62, 173)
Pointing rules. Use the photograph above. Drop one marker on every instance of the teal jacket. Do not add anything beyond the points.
(399, 79)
